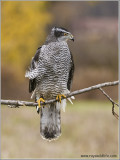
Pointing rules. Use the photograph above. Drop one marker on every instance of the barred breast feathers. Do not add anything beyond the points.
(47, 53)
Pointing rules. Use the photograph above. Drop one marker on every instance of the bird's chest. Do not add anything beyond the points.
(57, 59)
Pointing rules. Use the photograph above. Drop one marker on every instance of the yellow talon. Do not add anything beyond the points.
(40, 100)
(58, 98)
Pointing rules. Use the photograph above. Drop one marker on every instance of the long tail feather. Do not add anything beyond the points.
(50, 121)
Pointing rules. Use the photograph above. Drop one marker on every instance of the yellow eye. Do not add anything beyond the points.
(65, 34)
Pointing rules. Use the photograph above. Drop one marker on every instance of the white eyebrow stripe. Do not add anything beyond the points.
(61, 30)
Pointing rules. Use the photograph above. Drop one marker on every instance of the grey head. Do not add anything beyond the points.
(59, 34)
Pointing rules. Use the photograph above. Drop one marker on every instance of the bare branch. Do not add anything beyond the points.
(108, 96)
(113, 112)
(106, 84)
(113, 103)
(17, 103)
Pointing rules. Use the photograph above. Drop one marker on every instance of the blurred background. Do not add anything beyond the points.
(88, 126)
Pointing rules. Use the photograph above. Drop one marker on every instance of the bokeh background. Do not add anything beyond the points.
(88, 126)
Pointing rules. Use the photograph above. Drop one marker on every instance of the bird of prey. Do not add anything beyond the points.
(50, 76)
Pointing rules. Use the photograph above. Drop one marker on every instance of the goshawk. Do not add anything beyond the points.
(50, 76)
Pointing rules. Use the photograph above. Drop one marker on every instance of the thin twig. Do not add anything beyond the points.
(108, 97)
(113, 112)
(113, 102)
(17, 103)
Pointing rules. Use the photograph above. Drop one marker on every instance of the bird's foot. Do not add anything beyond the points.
(59, 96)
(39, 105)
(40, 100)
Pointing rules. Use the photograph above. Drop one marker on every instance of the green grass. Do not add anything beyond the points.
(88, 127)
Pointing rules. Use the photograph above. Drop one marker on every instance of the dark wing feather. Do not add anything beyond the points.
(71, 72)
(32, 82)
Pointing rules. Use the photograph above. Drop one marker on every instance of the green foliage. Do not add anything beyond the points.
(22, 31)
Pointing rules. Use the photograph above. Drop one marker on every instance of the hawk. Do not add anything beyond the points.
(50, 76)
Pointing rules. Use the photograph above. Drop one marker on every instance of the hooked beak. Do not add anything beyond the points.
(71, 37)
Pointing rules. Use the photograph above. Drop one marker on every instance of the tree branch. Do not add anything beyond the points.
(108, 96)
(113, 103)
(17, 103)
